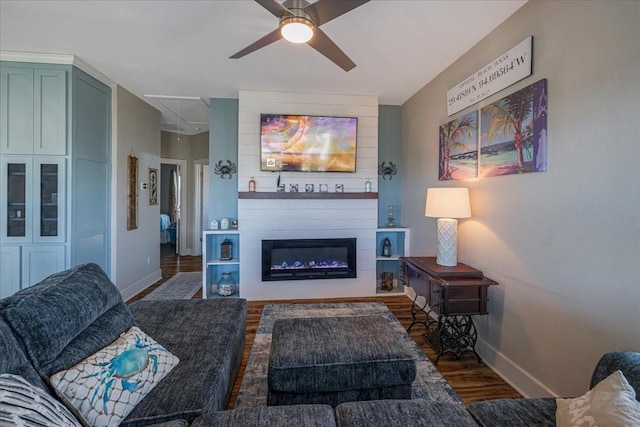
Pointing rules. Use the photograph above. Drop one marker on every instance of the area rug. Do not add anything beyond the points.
(429, 384)
(180, 286)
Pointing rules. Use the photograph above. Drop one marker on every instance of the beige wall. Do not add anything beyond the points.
(564, 244)
(137, 251)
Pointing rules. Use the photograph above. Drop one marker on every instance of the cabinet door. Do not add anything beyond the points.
(16, 110)
(15, 200)
(50, 112)
(49, 201)
(40, 261)
(9, 270)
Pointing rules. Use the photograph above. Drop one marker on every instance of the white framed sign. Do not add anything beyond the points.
(500, 73)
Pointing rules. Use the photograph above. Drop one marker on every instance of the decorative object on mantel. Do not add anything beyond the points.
(293, 188)
(323, 188)
(308, 188)
(234, 224)
(252, 184)
(389, 170)
(225, 170)
(391, 221)
(446, 204)
(132, 192)
(367, 186)
(281, 188)
(339, 188)
(213, 225)
(224, 223)
(226, 285)
(386, 281)
(459, 148)
(515, 140)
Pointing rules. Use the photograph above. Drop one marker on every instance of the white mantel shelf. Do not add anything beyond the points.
(304, 195)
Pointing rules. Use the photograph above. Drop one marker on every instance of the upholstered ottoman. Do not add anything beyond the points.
(336, 360)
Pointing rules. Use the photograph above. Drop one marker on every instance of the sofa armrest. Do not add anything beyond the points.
(626, 361)
(539, 412)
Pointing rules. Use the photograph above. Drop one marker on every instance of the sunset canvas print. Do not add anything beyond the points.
(514, 133)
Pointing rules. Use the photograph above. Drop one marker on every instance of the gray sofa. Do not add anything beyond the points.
(70, 315)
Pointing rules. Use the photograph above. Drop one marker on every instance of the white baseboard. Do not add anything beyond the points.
(525, 383)
(141, 284)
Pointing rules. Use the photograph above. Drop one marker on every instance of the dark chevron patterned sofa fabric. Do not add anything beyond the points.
(542, 412)
(344, 359)
(403, 413)
(281, 416)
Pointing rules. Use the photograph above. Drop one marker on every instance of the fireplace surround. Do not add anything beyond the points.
(308, 259)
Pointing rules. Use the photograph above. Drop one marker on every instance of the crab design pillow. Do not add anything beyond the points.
(105, 387)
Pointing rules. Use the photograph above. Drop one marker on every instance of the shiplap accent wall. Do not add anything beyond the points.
(299, 219)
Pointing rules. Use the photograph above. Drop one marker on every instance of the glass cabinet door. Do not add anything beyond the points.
(49, 200)
(15, 194)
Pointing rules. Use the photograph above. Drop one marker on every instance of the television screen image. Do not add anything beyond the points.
(307, 143)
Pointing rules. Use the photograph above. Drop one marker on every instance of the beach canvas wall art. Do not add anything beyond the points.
(459, 148)
(514, 133)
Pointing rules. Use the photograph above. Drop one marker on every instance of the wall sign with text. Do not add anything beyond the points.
(500, 73)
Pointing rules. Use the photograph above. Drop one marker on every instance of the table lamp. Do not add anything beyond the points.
(446, 204)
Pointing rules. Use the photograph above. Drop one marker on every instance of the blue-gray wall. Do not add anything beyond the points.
(390, 151)
(223, 145)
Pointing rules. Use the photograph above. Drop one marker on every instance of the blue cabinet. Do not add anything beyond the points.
(215, 263)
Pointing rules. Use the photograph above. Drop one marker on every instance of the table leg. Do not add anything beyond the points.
(455, 335)
(417, 313)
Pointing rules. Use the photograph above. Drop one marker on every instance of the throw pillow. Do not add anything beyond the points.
(611, 403)
(105, 387)
(22, 404)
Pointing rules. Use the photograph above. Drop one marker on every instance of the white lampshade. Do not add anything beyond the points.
(447, 203)
(296, 29)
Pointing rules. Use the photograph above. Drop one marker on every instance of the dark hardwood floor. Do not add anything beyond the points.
(472, 381)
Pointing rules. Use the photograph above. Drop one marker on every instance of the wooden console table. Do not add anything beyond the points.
(453, 294)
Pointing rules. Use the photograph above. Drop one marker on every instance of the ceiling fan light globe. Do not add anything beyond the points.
(296, 29)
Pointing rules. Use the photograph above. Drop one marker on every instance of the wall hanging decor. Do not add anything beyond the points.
(132, 192)
(153, 186)
(225, 170)
(514, 133)
(459, 148)
(387, 171)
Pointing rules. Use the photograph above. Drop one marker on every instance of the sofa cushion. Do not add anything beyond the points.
(402, 413)
(106, 386)
(281, 416)
(66, 317)
(628, 362)
(611, 402)
(539, 412)
(22, 404)
(13, 360)
(208, 337)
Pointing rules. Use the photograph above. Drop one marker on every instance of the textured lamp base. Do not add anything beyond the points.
(447, 242)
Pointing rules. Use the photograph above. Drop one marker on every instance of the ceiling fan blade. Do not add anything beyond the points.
(324, 11)
(274, 7)
(323, 44)
(273, 36)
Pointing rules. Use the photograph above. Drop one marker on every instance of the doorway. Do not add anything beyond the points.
(201, 203)
(173, 206)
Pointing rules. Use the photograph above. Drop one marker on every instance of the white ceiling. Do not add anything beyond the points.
(178, 50)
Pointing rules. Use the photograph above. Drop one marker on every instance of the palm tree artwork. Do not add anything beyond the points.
(514, 136)
(459, 148)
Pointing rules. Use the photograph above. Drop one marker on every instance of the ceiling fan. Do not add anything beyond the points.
(300, 22)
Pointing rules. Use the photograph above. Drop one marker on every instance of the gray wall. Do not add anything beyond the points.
(564, 244)
(137, 251)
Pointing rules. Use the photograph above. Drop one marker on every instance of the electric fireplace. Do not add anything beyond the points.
(308, 259)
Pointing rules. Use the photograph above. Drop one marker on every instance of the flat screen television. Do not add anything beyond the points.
(300, 143)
